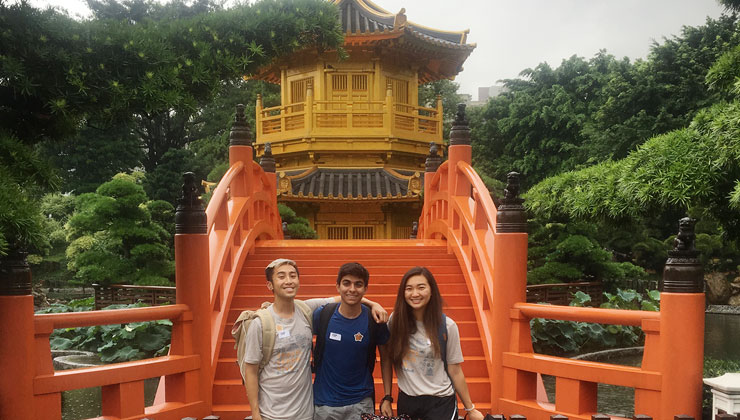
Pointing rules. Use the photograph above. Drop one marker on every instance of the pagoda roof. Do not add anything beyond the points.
(364, 16)
(439, 53)
(348, 184)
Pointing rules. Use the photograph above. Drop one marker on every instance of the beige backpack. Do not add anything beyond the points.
(241, 325)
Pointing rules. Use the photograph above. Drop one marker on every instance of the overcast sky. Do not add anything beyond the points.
(516, 34)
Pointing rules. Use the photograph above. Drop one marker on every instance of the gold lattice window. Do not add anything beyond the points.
(337, 232)
(298, 89)
(363, 232)
(350, 232)
(400, 89)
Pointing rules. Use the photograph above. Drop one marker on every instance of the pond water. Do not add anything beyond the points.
(722, 333)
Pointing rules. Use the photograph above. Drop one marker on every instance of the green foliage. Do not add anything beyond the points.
(165, 181)
(447, 91)
(136, 65)
(114, 239)
(23, 179)
(562, 253)
(79, 158)
(298, 227)
(116, 342)
(584, 112)
(569, 338)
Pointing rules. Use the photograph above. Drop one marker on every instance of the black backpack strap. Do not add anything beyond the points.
(442, 338)
(320, 329)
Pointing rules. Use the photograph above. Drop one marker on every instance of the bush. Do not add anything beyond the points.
(298, 227)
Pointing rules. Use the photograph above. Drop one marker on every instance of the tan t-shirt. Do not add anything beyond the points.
(285, 390)
(421, 372)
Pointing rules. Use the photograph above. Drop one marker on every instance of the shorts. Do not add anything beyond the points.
(352, 411)
(428, 407)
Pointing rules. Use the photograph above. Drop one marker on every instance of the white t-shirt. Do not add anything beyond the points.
(285, 390)
(423, 373)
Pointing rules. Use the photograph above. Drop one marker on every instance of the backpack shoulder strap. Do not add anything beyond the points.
(268, 335)
(306, 311)
(239, 332)
(442, 338)
(324, 316)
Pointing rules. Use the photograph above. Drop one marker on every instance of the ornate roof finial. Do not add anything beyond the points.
(433, 159)
(460, 132)
(510, 216)
(240, 134)
(400, 19)
(190, 217)
(683, 272)
(267, 162)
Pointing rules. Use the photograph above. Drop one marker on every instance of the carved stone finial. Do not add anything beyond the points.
(240, 134)
(400, 19)
(683, 272)
(15, 274)
(267, 162)
(190, 217)
(460, 132)
(414, 230)
(286, 235)
(511, 216)
(433, 159)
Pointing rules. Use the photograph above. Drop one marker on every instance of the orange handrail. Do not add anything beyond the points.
(583, 314)
(110, 316)
(123, 383)
(459, 208)
(242, 209)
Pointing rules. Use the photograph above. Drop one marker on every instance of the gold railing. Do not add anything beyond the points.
(364, 118)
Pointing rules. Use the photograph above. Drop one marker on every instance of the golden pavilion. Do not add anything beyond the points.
(350, 138)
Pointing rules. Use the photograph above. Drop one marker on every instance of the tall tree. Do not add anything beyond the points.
(587, 111)
(58, 74)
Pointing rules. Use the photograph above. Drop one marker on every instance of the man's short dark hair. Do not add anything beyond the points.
(354, 269)
(274, 265)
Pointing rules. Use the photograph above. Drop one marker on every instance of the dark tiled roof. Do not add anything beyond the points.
(348, 184)
(363, 16)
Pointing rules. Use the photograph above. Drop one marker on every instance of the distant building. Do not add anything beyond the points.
(485, 93)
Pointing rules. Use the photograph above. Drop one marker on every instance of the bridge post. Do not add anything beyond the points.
(17, 361)
(682, 327)
(431, 165)
(511, 330)
(192, 274)
(240, 150)
(459, 150)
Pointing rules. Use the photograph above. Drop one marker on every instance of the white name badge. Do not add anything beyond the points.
(283, 334)
(335, 336)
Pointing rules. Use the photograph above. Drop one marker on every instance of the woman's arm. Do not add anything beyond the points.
(252, 374)
(386, 369)
(458, 381)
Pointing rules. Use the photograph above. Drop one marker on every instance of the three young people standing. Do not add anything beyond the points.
(345, 352)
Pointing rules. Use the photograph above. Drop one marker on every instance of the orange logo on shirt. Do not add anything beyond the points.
(358, 337)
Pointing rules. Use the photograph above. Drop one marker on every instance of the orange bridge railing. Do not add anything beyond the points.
(491, 245)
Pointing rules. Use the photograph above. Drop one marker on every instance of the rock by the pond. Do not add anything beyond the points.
(734, 300)
(719, 290)
(73, 359)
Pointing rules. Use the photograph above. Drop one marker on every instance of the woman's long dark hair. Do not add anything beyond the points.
(403, 324)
